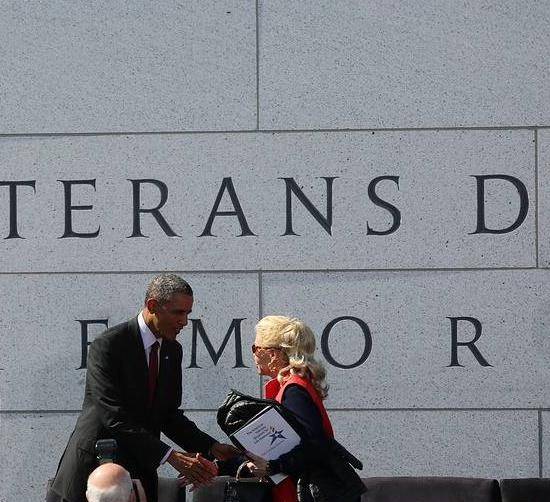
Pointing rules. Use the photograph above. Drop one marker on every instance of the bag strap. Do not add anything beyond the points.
(241, 467)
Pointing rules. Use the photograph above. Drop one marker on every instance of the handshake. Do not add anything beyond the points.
(197, 470)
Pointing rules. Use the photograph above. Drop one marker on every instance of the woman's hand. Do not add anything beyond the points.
(257, 466)
(224, 451)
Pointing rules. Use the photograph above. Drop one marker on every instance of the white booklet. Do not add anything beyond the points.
(267, 435)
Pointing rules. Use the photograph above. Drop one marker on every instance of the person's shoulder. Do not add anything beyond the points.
(297, 381)
(114, 334)
(296, 389)
(298, 400)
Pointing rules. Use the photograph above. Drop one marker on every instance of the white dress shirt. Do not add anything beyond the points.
(149, 339)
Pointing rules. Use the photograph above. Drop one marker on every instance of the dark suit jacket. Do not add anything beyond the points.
(115, 406)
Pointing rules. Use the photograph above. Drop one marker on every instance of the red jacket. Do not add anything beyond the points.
(286, 490)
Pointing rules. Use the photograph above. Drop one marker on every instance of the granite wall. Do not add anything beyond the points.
(379, 169)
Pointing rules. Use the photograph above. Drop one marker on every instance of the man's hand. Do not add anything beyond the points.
(193, 468)
(224, 451)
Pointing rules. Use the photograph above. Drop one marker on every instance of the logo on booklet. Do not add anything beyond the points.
(276, 435)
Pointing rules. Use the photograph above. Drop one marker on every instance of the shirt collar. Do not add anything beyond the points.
(147, 335)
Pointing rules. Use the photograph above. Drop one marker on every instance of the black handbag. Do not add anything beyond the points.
(246, 489)
(238, 408)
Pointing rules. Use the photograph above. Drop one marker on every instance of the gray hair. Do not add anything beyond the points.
(120, 492)
(164, 286)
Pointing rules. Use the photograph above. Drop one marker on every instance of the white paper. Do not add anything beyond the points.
(268, 435)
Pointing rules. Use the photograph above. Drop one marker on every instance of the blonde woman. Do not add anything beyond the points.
(284, 350)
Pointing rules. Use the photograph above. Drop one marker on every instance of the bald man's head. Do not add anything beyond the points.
(110, 483)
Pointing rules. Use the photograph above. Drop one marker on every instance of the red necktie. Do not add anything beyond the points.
(153, 371)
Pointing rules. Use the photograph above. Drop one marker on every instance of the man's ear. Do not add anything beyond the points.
(152, 305)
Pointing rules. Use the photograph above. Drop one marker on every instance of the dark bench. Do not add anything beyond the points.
(427, 489)
(400, 489)
(525, 490)
(431, 489)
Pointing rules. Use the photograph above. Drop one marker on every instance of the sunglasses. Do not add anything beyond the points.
(255, 348)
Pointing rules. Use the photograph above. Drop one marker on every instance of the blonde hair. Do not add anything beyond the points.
(297, 341)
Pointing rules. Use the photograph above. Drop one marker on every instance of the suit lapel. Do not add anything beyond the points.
(139, 360)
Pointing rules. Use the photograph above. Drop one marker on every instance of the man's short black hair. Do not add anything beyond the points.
(163, 287)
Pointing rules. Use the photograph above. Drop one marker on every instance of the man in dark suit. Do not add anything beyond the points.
(133, 392)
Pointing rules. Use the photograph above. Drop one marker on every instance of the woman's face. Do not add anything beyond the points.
(268, 360)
